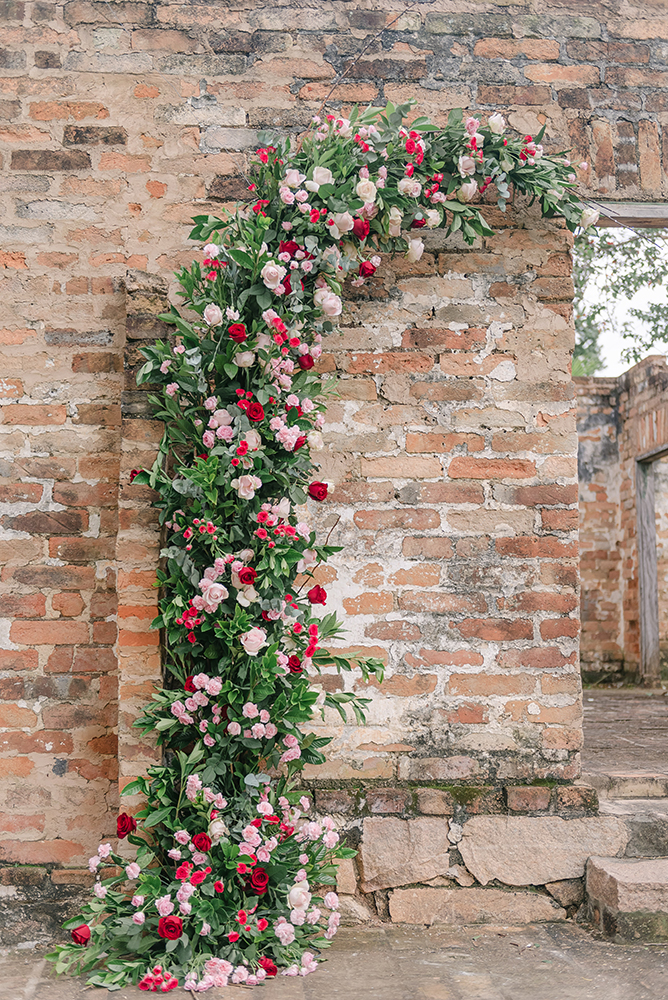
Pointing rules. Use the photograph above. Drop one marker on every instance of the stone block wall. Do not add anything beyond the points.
(452, 446)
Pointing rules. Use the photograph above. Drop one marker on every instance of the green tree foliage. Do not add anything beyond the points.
(611, 266)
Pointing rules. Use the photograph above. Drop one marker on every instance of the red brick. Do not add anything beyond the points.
(536, 547)
(61, 577)
(462, 467)
(369, 604)
(20, 492)
(405, 518)
(540, 658)
(69, 605)
(427, 548)
(554, 628)
(548, 495)
(559, 520)
(14, 659)
(382, 364)
(95, 659)
(443, 442)
(22, 413)
(525, 800)
(22, 606)
(124, 162)
(449, 340)
(45, 111)
(507, 48)
(512, 95)
(393, 631)
(48, 633)
(492, 629)
(490, 684)
(82, 549)
(101, 362)
(441, 603)
(83, 495)
(38, 522)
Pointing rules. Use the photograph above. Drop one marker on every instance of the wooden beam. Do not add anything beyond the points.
(648, 602)
(639, 215)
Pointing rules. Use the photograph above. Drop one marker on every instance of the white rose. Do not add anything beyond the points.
(343, 223)
(217, 830)
(433, 218)
(468, 190)
(330, 303)
(246, 486)
(315, 440)
(395, 221)
(321, 175)
(293, 178)
(366, 190)
(247, 596)
(272, 274)
(497, 123)
(282, 508)
(415, 251)
(211, 250)
(589, 218)
(299, 897)
(254, 640)
(213, 315)
(245, 359)
(410, 187)
(216, 593)
(466, 165)
(253, 440)
(343, 128)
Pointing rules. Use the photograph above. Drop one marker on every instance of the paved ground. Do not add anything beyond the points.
(539, 962)
(625, 731)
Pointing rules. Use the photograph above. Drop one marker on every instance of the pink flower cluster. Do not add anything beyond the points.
(158, 981)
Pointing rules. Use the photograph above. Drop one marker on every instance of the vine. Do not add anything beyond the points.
(233, 878)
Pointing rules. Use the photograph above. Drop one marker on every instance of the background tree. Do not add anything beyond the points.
(611, 266)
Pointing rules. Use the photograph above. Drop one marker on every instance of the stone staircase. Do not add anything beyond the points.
(627, 897)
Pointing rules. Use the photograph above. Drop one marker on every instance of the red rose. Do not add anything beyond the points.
(300, 442)
(268, 966)
(183, 871)
(317, 595)
(257, 822)
(305, 362)
(232, 937)
(197, 878)
(361, 229)
(219, 887)
(170, 928)
(366, 269)
(255, 412)
(262, 924)
(189, 686)
(295, 665)
(81, 934)
(318, 490)
(258, 881)
(134, 473)
(288, 246)
(124, 825)
(202, 842)
(237, 332)
(247, 576)
(418, 223)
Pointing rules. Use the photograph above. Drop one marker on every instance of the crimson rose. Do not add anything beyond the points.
(124, 825)
(361, 229)
(81, 934)
(202, 842)
(258, 881)
(170, 928)
(247, 576)
(295, 665)
(255, 411)
(318, 490)
(189, 686)
(317, 595)
(305, 362)
(269, 967)
(366, 269)
(237, 332)
(288, 246)
(300, 442)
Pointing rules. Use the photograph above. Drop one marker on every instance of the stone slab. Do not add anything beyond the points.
(533, 850)
(471, 906)
(398, 851)
(647, 823)
(629, 884)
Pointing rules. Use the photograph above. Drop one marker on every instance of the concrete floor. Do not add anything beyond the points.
(538, 962)
(625, 731)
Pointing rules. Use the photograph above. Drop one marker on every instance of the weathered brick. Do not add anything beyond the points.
(49, 159)
(94, 135)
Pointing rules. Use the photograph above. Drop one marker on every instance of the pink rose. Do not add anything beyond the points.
(253, 641)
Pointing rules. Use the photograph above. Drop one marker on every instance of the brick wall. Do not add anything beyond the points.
(452, 446)
(618, 420)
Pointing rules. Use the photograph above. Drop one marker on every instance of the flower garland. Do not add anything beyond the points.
(232, 879)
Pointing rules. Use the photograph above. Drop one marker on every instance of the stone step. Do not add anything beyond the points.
(627, 898)
(627, 784)
(646, 821)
